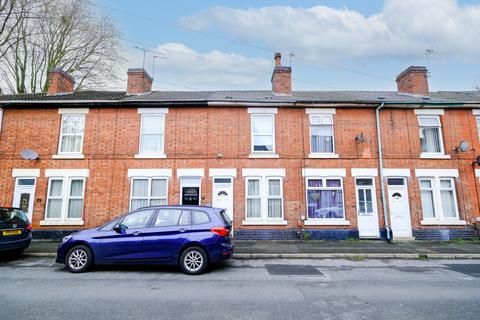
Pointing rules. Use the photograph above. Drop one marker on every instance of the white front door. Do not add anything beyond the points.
(24, 194)
(367, 208)
(399, 208)
(222, 194)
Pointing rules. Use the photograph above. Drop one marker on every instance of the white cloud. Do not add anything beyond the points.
(403, 29)
(183, 68)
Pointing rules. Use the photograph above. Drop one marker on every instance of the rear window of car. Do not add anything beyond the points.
(172, 217)
(12, 215)
(200, 217)
(226, 218)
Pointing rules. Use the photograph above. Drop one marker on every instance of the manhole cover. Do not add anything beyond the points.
(292, 270)
(472, 270)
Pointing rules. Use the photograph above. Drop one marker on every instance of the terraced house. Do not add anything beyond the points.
(285, 164)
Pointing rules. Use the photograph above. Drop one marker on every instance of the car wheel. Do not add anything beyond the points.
(193, 261)
(78, 259)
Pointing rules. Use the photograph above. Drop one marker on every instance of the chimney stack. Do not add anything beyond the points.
(413, 80)
(60, 82)
(139, 81)
(281, 77)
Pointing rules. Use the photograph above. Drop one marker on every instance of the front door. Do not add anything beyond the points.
(24, 194)
(222, 195)
(399, 208)
(367, 208)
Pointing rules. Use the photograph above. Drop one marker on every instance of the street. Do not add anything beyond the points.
(37, 288)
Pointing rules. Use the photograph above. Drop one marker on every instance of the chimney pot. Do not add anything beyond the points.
(281, 77)
(139, 81)
(59, 82)
(413, 80)
(278, 58)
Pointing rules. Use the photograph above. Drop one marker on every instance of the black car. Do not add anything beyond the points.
(15, 230)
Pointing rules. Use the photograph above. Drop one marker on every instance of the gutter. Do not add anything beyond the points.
(380, 164)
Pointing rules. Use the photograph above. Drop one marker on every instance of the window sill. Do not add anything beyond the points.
(68, 156)
(434, 156)
(264, 223)
(265, 156)
(62, 223)
(323, 156)
(150, 156)
(326, 222)
(443, 222)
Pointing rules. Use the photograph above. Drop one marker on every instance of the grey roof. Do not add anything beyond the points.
(259, 96)
(81, 95)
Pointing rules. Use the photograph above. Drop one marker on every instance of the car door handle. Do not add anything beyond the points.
(136, 233)
(182, 229)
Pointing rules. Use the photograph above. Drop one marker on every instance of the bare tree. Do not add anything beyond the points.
(62, 34)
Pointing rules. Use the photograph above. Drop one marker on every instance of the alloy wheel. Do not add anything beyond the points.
(193, 261)
(78, 259)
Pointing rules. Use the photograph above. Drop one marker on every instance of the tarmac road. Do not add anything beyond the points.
(37, 288)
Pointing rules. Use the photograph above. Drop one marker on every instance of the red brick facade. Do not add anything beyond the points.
(195, 136)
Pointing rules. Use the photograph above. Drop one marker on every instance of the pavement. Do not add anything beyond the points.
(352, 249)
(277, 289)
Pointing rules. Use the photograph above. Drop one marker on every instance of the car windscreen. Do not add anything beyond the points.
(226, 218)
(12, 215)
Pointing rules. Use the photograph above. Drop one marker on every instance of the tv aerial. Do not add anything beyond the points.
(28, 154)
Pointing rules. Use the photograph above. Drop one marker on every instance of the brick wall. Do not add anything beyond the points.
(196, 137)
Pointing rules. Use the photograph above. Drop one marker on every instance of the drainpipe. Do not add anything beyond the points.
(380, 160)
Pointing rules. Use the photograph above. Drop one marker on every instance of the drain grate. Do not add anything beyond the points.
(292, 270)
(472, 270)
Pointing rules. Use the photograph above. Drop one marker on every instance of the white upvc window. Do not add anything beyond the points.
(65, 198)
(264, 199)
(152, 134)
(325, 199)
(148, 191)
(439, 200)
(263, 133)
(321, 134)
(430, 130)
(71, 134)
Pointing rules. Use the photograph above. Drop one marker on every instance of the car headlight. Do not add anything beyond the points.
(65, 239)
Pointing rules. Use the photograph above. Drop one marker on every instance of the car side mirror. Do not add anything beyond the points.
(120, 228)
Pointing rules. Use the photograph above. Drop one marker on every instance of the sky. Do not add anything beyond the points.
(331, 45)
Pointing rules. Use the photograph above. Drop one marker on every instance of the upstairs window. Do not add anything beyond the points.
(152, 134)
(71, 134)
(321, 134)
(430, 134)
(263, 133)
(478, 125)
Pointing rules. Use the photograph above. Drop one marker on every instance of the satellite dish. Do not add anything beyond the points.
(360, 138)
(28, 154)
(463, 146)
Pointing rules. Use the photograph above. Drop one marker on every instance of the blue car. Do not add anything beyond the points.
(15, 230)
(188, 236)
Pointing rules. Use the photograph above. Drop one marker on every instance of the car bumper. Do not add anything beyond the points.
(61, 253)
(19, 244)
(225, 252)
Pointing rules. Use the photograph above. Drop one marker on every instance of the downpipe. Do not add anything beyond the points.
(382, 182)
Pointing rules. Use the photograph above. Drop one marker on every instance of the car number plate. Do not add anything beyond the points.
(11, 232)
